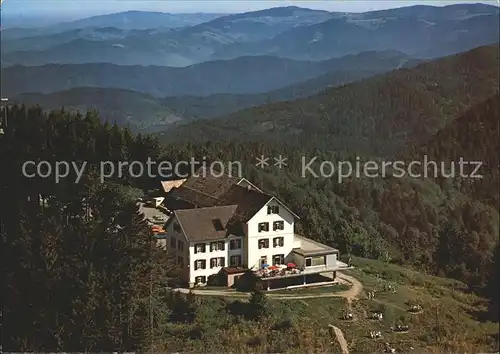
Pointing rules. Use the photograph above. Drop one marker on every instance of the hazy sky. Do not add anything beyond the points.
(82, 8)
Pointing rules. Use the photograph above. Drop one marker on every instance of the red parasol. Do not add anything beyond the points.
(291, 265)
(272, 267)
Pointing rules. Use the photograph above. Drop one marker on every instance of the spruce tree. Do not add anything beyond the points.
(257, 304)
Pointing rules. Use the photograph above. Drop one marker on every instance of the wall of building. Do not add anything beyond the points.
(300, 261)
(174, 253)
(331, 260)
(254, 254)
(207, 255)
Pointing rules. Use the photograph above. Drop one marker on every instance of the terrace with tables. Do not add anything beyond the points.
(310, 264)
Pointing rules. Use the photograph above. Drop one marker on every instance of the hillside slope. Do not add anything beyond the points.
(474, 136)
(377, 114)
(348, 69)
(126, 108)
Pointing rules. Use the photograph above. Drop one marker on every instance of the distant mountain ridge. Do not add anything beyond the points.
(126, 20)
(453, 29)
(244, 75)
(147, 113)
(288, 32)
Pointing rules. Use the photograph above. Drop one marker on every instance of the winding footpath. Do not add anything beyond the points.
(341, 339)
(351, 294)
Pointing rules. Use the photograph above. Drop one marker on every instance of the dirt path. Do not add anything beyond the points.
(340, 339)
(351, 294)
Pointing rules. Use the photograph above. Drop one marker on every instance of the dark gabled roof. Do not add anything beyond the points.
(249, 201)
(173, 203)
(203, 189)
(203, 224)
(193, 197)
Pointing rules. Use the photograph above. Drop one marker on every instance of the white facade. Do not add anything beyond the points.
(211, 257)
(276, 238)
(257, 256)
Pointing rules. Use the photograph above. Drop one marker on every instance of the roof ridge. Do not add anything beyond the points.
(198, 191)
(255, 191)
(209, 207)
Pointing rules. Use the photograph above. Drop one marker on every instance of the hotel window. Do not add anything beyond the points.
(217, 246)
(273, 209)
(200, 248)
(200, 280)
(278, 242)
(217, 262)
(235, 244)
(200, 264)
(180, 245)
(263, 226)
(278, 259)
(278, 225)
(180, 261)
(263, 243)
(315, 261)
(235, 261)
(173, 242)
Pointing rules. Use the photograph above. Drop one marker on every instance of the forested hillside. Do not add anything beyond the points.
(137, 110)
(376, 115)
(473, 137)
(86, 252)
(77, 257)
(348, 69)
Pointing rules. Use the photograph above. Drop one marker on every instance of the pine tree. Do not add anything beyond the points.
(257, 304)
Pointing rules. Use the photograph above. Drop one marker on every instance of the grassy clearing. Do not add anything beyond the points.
(448, 322)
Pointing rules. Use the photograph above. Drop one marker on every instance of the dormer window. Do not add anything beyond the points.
(273, 209)
(177, 227)
(263, 226)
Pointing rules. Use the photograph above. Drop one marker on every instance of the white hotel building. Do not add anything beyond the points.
(226, 224)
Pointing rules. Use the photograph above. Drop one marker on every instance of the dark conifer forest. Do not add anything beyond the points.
(81, 269)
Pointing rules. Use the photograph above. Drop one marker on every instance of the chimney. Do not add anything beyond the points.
(249, 188)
